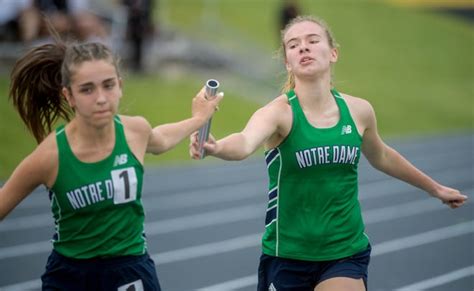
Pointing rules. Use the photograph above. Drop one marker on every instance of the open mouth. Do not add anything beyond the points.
(306, 60)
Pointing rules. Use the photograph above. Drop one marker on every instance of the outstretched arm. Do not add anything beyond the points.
(165, 137)
(389, 161)
(237, 146)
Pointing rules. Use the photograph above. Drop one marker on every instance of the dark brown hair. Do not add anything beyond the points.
(38, 77)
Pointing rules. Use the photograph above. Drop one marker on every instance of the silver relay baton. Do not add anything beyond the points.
(211, 89)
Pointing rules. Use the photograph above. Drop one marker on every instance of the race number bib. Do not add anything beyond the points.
(125, 185)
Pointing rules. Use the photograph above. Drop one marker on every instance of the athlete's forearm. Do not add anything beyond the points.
(3, 212)
(395, 165)
(167, 136)
(234, 147)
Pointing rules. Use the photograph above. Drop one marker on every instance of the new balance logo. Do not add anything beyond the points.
(346, 129)
(272, 287)
(120, 159)
(134, 286)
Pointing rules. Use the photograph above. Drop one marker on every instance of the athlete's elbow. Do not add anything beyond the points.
(245, 152)
(377, 165)
(380, 162)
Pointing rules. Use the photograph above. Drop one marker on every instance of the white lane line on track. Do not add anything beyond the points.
(188, 253)
(39, 201)
(27, 285)
(219, 217)
(439, 280)
(423, 238)
(377, 250)
(252, 280)
(238, 243)
(371, 190)
(178, 201)
(253, 240)
(237, 214)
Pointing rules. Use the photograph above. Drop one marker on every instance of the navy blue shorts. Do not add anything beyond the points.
(289, 274)
(129, 273)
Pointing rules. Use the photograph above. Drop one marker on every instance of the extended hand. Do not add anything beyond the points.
(452, 197)
(203, 108)
(209, 146)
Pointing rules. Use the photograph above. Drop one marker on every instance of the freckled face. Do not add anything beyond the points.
(95, 90)
(307, 50)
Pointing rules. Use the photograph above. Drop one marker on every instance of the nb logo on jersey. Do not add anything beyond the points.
(272, 287)
(121, 160)
(346, 129)
(134, 286)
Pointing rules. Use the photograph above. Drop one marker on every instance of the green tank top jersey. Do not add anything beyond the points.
(97, 206)
(313, 211)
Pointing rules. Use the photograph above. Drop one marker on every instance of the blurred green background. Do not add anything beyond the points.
(414, 64)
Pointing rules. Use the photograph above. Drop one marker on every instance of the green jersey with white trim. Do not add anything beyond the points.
(313, 212)
(97, 206)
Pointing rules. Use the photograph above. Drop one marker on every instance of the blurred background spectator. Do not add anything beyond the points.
(27, 20)
(139, 28)
(72, 19)
(289, 10)
(18, 20)
(127, 26)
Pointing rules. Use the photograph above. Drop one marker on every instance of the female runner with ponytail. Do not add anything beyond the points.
(92, 166)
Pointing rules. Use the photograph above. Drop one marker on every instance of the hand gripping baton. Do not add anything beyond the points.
(203, 134)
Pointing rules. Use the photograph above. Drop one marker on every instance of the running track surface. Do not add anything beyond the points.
(204, 224)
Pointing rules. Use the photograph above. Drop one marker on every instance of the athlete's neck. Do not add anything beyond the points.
(314, 93)
(89, 136)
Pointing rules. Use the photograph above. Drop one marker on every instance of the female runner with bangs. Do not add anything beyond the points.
(92, 166)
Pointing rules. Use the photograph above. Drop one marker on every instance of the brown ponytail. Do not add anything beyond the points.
(38, 77)
(35, 89)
